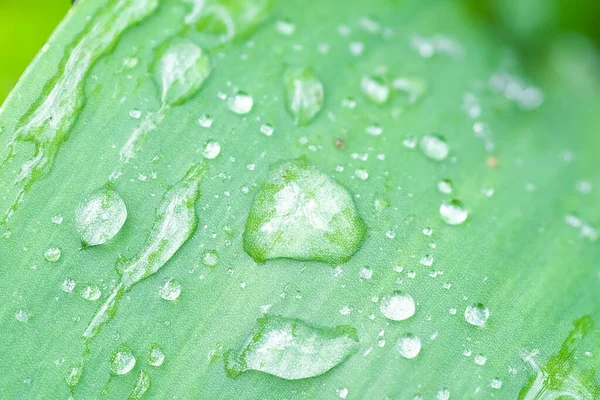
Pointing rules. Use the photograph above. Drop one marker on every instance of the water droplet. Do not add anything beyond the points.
(375, 88)
(443, 394)
(74, 375)
(135, 114)
(57, 219)
(267, 129)
(293, 349)
(285, 27)
(180, 71)
(156, 357)
(100, 217)
(427, 260)
(434, 147)
(398, 306)
(303, 214)
(362, 174)
(52, 254)
(427, 231)
(410, 142)
(91, 292)
(480, 359)
(210, 258)
(477, 314)
(22, 316)
(122, 361)
(240, 103)
(453, 212)
(343, 393)
(211, 149)
(304, 94)
(141, 386)
(374, 130)
(445, 186)
(415, 88)
(67, 285)
(170, 289)
(205, 121)
(496, 383)
(409, 346)
(366, 272)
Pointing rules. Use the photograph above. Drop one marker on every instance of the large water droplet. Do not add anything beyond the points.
(180, 71)
(293, 349)
(100, 217)
(434, 147)
(304, 94)
(303, 214)
(122, 361)
(398, 306)
(240, 103)
(453, 212)
(170, 289)
(375, 88)
(477, 314)
(409, 346)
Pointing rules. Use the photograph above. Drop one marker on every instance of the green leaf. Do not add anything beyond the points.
(406, 213)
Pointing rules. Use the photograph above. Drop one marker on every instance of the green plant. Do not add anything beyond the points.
(275, 200)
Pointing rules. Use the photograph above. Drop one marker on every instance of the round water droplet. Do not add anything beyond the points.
(477, 314)
(67, 285)
(91, 292)
(427, 231)
(445, 186)
(267, 129)
(285, 27)
(375, 88)
(240, 103)
(122, 362)
(480, 359)
(205, 121)
(398, 306)
(427, 260)
(453, 212)
(210, 258)
(100, 217)
(52, 254)
(170, 290)
(366, 272)
(156, 357)
(409, 346)
(362, 174)
(496, 383)
(211, 149)
(434, 147)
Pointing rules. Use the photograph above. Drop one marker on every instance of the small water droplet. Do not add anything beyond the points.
(480, 359)
(267, 129)
(443, 394)
(409, 346)
(205, 121)
(22, 316)
(343, 393)
(52, 254)
(415, 88)
(170, 290)
(67, 285)
(240, 103)
(374, 130)
(366, 272)
(156, 357)
(496, 383)
(410, 142)
(91, 292)
(427, 260)
(375, 88)
(477, 314)
(135, 114)
(122, 361)
(362, 174)
(285, 27)
(100, 217)
(427, 231)
(445, 186)
(453, 212)
(210, 258)
(434, 147)
(398, 306)
(211, 149)
(57, 219)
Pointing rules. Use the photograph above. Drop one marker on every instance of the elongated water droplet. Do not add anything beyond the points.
(477, 314)
(180, 71)
(398, 306)
(375, 88)
(304, 94)
(453, 212)
(91, 292)
(74, 375)
(170, 289)
(303, 214)
(156, 357)
(122, 361)
(100, 217)
(52, 254)
(409, 346)
(293, 349)
(141, 386)
(434, 147)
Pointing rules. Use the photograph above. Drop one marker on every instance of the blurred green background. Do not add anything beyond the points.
(532, 26)
(25, 25)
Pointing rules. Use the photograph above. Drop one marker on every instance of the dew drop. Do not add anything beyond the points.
(410, 142)
(57, 219)
(480, 359)
(74, 375)
(409, 346)
(362, 174)
(477, 314)
(100, 217)
(68, 285)
(453, 212)
(375, 88)
(496, 383)
(211, 149)
(156, 357)
(241, 103)
(434, 147)
(52, 254)
(170, 290)
(415, 88)
(285, 27)
(122, 361)
(135, 114)
(445, 186)
(91, 292)
(205, 121)
(398, 306)
(427, 231)
(267, 129)
(210, 258)
(22, 316)
(304, 94)
(427, 260)
(366, 272)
